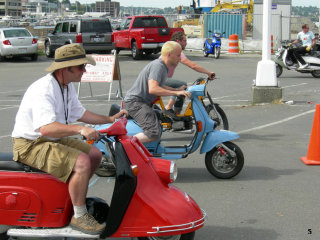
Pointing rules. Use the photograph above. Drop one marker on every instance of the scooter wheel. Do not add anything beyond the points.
(186, 236)
(221, 164)
(279, 70)
(316, 73)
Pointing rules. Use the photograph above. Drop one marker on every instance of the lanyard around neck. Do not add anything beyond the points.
(64, 102)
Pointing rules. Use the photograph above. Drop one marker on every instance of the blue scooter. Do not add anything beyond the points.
(223, 159)
(213, 45)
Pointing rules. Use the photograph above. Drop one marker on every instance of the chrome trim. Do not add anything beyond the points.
(182, 227)
(151, 45)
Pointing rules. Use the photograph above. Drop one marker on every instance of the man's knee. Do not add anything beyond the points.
(83, 164)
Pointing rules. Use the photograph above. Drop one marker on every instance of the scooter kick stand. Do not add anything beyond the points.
(52, 232)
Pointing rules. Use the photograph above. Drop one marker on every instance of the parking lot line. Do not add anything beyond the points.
(277, 122)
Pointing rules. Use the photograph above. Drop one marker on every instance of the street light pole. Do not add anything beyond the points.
(266, 69)
(265, 89)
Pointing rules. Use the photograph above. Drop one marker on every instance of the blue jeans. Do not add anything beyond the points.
(179, 99)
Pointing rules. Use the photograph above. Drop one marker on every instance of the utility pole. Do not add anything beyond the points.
(266, 85)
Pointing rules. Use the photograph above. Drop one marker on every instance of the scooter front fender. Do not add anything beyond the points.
(216, 137)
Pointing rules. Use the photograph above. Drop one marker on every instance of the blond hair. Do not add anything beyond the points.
(169, 47)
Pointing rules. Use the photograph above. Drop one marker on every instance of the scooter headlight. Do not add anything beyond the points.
(167, 170)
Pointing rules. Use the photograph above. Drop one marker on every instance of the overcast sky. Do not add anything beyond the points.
(175, 3)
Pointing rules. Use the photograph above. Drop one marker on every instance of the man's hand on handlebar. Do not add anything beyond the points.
(183, 93)
(211, 76)
(89, 133)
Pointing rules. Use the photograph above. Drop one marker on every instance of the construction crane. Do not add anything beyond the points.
(233, 5)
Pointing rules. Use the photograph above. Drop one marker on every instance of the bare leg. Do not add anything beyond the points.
(95, 155)
(170, 104)
(79, 180)
(143, 138)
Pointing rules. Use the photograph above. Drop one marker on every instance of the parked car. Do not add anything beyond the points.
(18, 42)
(95, 35)
(143, 34)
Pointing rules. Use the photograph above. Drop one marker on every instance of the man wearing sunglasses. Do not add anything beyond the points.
(42, 130)
(307, 39)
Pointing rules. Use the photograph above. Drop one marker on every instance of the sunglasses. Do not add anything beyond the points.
(81, 67)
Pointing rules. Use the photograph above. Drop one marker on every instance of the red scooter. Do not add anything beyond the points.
(144, 204)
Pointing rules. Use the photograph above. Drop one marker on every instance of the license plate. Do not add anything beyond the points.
(96, 39)
(22, 50)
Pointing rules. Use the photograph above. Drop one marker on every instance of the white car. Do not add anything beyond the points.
(18, 42)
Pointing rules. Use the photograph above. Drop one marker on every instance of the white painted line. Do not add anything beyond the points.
(21, 90)
(277, 122)
(297, 85)
(8, 107)
(4, 136)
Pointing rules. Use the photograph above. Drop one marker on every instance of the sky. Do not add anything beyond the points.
(175, 3)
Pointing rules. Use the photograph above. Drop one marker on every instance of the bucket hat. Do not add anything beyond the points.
(68, 56)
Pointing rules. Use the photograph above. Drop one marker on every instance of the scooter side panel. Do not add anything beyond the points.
(33, 199)
(216, 137)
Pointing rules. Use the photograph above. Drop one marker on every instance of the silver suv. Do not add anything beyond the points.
(95, 35)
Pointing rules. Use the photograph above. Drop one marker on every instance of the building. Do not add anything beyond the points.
(10, 8)
(280, 20)
(110, 8)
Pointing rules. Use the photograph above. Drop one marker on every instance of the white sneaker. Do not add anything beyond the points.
(303, 66)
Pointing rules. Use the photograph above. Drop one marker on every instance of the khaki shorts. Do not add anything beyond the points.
(54, 157)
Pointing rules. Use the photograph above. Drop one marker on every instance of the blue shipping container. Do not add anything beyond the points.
(222, 22)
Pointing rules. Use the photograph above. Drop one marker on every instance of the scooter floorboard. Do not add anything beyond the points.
(52, 232)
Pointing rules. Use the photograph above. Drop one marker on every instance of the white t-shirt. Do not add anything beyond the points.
(43, 104)
(306, 38)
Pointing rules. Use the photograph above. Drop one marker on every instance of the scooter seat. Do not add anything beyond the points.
(8, 164)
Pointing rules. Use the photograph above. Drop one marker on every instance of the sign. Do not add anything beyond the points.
(274, 6)
(106, 70)
(103, 71)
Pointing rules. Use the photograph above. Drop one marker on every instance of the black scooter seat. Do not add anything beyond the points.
(8, 164)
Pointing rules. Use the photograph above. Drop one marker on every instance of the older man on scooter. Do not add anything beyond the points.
(43, 126)
(308, 40)
(148, 86)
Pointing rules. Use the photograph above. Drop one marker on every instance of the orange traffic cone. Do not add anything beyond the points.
(313, 155)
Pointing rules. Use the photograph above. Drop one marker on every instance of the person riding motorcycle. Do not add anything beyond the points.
(308, 40)
(177, 102)
(42, 130)
(148, 86)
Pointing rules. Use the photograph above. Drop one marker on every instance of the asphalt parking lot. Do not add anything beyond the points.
(275, 196)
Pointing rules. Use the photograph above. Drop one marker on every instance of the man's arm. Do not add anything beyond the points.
(156, 90)
(93, 118)
(196, 67)
(59, 130)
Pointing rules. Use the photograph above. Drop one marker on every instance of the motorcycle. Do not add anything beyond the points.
(144, 204)
(223, 159)
(213, 45)
(183, 122)
(282, 60)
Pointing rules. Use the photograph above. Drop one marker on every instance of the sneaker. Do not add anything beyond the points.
(304, 66)
(169, 112)
(86, 224)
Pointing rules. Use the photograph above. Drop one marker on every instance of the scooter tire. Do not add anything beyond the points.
(4, 236)
(217, 165)
(205, 54)
(217, 51)
(222, 121)
(186, 236)
(315, 73)
(279, 70)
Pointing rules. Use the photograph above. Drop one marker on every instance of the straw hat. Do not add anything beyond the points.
(68, 56)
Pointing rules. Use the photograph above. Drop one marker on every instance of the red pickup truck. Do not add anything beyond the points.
(142, 34)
